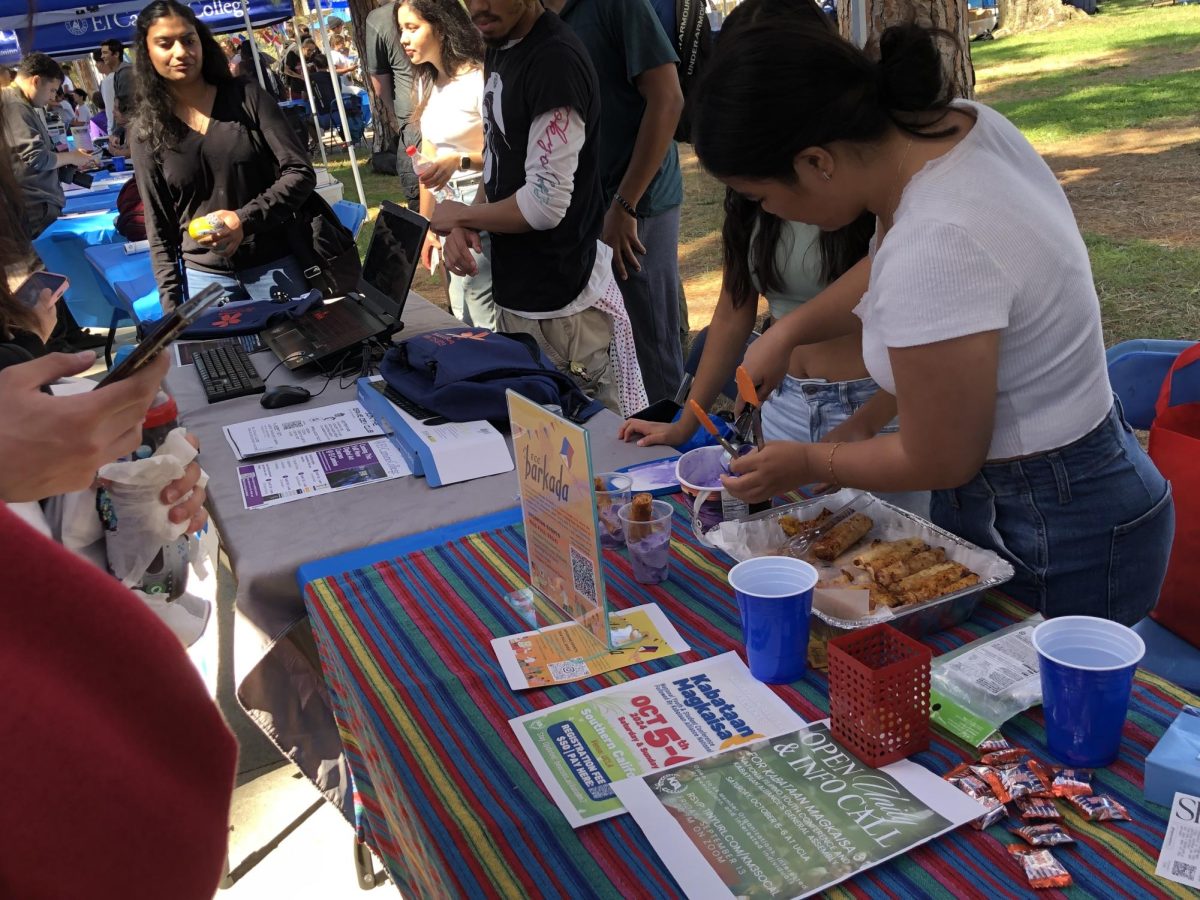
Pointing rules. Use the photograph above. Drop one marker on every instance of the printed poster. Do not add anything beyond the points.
(319, 472)
(789, 816)
(581, 747)
(564, 653)
(562, 535)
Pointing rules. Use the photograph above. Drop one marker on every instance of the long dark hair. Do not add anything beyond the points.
(157, 123)
(461, 43)
(777, 88)
(747, 259)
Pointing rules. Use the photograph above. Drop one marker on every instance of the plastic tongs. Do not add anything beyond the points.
(798, 545)
(709, 426)
(748, 427)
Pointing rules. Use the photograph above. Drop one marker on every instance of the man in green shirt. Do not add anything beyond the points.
(640, 103)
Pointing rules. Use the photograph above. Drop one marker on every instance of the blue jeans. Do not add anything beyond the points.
(255, 283)
(1088, 527)
(807, 409)
(471, 295)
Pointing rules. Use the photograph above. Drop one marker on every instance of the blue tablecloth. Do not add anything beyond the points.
(101, 196)
(62, 246)
(112, 265)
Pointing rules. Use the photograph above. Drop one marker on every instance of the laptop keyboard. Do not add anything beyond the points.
(227, 372)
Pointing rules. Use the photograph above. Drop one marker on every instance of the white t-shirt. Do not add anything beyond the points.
(453, 118)
(983, 240)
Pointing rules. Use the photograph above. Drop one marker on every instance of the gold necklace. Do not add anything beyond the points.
(896, 196)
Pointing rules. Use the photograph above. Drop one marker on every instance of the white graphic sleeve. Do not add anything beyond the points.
(555, 140)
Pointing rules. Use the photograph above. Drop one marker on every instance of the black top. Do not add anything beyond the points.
(386, 56)
(541, 271)
(21, 347)
(259, 171)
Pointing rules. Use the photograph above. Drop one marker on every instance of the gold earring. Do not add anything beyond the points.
(826, 175)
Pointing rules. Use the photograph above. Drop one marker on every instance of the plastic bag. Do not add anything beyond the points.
(983, 684)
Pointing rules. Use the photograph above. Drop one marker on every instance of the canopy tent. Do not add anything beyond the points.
(66, 30)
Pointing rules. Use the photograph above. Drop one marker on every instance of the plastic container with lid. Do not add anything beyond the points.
(161, 419)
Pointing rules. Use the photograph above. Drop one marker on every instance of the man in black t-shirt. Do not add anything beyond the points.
(391, 74)
(541, 201)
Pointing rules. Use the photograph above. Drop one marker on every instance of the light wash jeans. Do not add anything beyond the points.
(807, 409)
(1088, 526)
(255, 283)
(471, 295)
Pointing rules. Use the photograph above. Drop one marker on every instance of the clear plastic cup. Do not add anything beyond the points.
(617, 492)
(648, 542)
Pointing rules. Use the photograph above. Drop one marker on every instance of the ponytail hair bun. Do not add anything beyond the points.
(911, 73)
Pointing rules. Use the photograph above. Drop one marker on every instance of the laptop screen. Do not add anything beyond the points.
(394, 253)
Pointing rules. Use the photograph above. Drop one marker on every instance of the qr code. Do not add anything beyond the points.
(569, 669)
(1183, 870)
(583, 575)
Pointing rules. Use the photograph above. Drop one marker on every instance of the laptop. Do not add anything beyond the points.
(331, 330)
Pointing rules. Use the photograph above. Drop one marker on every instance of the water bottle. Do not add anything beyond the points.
(421, 164)
(168, 571)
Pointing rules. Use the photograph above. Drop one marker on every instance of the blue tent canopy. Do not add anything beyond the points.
(67, 29)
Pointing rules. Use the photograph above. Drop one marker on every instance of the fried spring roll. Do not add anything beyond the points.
(641, 511)
(879, 549)
(842, 537)
(901, 568)
(792, 526)
(930, 583)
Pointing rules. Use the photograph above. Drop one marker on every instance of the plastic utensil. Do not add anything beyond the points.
(798, 545)
(748, 427)
(708, 425)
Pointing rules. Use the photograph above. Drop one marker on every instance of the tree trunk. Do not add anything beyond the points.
(383, 115)
(948, 15)
(1027, 15)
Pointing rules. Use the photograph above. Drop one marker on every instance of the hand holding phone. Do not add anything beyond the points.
(30, 292)
(164, 332)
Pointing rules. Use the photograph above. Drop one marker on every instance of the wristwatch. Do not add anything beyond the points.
(466, 164)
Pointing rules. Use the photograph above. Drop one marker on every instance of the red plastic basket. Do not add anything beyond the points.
(879, 694)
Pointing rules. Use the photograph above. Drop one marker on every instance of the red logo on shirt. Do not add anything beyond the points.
(225, 319)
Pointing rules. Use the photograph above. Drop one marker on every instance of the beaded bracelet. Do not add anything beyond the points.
(625, 205)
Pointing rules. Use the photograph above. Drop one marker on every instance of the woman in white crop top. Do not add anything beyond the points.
(447, 55)
(977, 310)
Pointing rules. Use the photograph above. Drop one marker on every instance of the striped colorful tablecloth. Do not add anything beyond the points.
(453, 808)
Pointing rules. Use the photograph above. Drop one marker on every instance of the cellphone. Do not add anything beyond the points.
(659, 411)
(164, 332)
(27, 294)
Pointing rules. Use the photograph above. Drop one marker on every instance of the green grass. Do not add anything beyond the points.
(1146, 291)
(1093, 75)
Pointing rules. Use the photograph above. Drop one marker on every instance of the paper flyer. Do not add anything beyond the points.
(789, 816)
(562, 535)
(579, 748)
(306, 428)
(564, 653)
(1179, 859)
(319, 472)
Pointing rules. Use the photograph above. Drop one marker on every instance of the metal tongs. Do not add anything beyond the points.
(747, 429)
(799, 544)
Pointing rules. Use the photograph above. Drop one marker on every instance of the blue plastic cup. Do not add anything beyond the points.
(774, 596)
(118, 163)
(1087, 667)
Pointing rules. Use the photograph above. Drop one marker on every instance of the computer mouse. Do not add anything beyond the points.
(285, 395)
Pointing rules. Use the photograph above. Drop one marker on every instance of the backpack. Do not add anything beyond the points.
(462, 374)
(694, 44)
(131, 215)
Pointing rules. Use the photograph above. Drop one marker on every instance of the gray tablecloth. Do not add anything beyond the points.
(276, 666)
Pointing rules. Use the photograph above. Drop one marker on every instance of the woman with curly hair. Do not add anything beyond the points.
(207, 144)
(446, 51)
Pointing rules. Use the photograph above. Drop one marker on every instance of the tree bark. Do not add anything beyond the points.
(383, 115)
(948, 15)
(1027, 15)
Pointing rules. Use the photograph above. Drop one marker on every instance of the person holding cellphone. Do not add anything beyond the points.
(212, 147)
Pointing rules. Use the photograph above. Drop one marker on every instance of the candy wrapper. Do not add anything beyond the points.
(995, 743)
(991, 777)
(1023, 780)
(1037, 808)
(1041, 868)
(1008, 756)
(1100, 808)
(1048, 835)
(1072, 783)
(975, 788)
